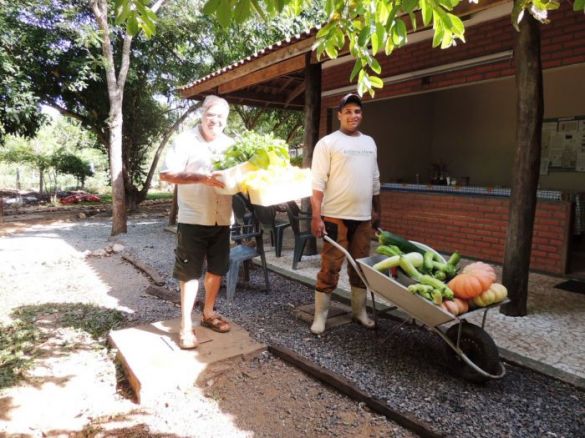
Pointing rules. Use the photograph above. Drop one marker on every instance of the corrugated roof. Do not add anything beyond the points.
(272, 48)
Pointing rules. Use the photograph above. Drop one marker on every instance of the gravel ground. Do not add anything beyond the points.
(400, 364)
(73, 388)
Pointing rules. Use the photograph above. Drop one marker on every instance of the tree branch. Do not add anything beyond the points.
(125, 64)
(166, 137)
(99, 8)
(86, 122)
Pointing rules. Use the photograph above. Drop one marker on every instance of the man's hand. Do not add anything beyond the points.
(375, 220)
(318, 227)
(212, 180)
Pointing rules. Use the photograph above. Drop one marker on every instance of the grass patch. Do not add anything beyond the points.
(19, 341)
(151, 196)
(92, 319)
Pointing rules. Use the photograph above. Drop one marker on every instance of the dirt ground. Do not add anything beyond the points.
(75, 388)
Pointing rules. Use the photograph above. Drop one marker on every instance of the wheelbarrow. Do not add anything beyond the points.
(471, 352)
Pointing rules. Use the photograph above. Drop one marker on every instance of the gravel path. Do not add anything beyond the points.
(400, 364)
(74, 388)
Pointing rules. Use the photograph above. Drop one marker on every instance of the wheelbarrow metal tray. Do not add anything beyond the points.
(397, 293)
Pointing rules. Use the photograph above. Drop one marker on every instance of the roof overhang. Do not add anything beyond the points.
(274, 76)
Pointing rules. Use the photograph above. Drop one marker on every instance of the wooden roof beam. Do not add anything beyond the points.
(297, 91)
(249, 67)
(273, 71)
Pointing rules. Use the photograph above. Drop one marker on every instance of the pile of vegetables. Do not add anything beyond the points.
(268, 162)
(261, 150)
(274, 176)
(474, 286)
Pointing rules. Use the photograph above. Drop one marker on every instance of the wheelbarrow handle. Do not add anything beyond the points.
(359, 272)
(349, 258)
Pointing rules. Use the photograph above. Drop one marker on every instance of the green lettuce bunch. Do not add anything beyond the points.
(261, 150)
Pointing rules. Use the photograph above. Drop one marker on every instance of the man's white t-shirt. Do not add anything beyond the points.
(345, 169)
(199, 204)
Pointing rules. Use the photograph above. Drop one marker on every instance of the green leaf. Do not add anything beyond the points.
(375, 43)
(438, 36)
(122, 11)
(224, 13)
(376, 82)
(132, 25)
(399, 33)
(210, 7)
(364, 36)
(149, 28)
(243, 11)
(325, 30)
(413, 20)
(426, 11)
(330, 49)
(382, 13)
(356, 69)
(447, 40)
(329, 7)
(375, 66)
(409, 5)
(381, 34)
(258, 9)
(339, 37)
(389, 47)
(579, 5)
(457, 26)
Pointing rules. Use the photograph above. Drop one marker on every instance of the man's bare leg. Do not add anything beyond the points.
(212, 282)
(188, 290)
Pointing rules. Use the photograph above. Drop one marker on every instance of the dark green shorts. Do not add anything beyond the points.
(197, 243)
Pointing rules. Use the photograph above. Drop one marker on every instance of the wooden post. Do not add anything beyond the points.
(312, 118)
(530, 109)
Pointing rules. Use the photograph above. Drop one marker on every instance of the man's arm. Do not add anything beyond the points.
(376, 212)
(191, 178)
(317, 224)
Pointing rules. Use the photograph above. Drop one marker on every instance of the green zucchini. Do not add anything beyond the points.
(388, 238)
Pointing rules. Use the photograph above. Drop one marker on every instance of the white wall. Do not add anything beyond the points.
(471, 129)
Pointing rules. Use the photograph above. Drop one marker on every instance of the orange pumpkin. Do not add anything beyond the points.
(456, 306)
(466, 286)
(480, 268)
(462, 305)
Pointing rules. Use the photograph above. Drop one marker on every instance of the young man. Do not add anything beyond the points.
(204, 216)
(346, 185)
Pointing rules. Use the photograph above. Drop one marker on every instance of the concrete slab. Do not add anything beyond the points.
(155, 364)
(339, 314)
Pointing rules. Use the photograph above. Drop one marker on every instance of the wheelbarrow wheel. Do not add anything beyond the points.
(478, 346)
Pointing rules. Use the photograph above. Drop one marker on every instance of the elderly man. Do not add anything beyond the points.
(345, 205)
(204, 216)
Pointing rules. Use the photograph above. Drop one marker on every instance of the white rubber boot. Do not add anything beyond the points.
(322, 301)
(358, 307)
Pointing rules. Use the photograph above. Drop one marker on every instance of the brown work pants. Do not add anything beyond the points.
(352, 235)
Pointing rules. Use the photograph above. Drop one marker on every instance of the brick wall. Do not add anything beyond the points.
(476, 226)
(561, 39)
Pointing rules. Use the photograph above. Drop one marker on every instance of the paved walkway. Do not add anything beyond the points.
(551, 339)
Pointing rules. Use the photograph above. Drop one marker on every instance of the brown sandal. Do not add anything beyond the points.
(216, 323)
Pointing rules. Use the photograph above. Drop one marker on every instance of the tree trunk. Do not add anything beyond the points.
(115, 119)
(526, 166)
(312, 112)
(133, 197)
(41, 181)
(17, 178)
(119, 217)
